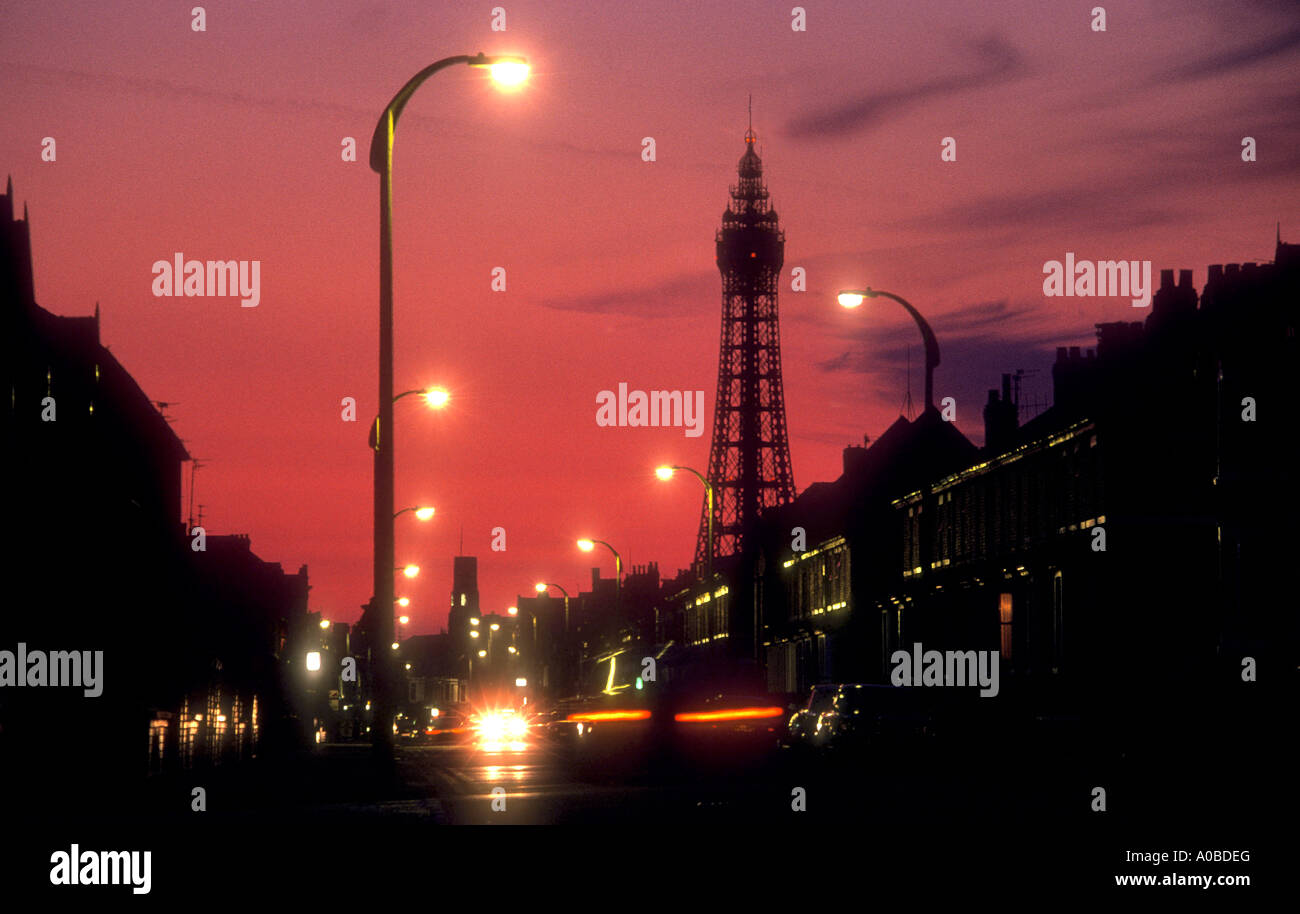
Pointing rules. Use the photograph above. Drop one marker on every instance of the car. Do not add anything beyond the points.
(447, 727)
(727, 728)
(408, 729)
(500, 729)
(802, 724)
(865, 715)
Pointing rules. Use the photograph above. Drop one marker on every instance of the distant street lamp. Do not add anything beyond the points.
(541, 587)
(410, 570)
(586, 545)
(852, 298)
(666, 473)
(422, 513)
(506, 71)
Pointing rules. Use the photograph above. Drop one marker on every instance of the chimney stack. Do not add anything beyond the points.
(1000, 418)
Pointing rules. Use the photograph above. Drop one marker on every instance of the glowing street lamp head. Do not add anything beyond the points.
(473, 621)
(396, 645)
(324, 623)
(495, 626)
(405, 620)
(473, 632)
(586, 545)
(411, 570)
(512, 610)
(509, 74)
(313, 660)
(424, 513)
(437, 398)
(540, 587)
(851, 299)
(664, 473)
(482, 653)
(403, 602)
(512, 649)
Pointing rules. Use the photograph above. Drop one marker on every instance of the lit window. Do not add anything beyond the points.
(1004, 613)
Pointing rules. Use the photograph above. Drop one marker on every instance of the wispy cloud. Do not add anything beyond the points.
(674, 297)
(1222, 63)
(997, 61)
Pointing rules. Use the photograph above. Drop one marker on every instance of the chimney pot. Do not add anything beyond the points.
(1166, 279)
(1184, 279)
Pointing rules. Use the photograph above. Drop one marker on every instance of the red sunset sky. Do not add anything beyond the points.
(225, 144)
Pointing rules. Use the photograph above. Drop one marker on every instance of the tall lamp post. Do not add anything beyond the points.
(666, 473)
(508, 71)
(851, 298)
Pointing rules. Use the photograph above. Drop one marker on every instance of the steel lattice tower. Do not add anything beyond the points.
(749, 463)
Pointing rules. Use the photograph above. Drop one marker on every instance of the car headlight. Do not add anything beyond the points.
(492, 728)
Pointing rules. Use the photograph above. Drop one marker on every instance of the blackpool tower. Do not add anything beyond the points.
(749, 462)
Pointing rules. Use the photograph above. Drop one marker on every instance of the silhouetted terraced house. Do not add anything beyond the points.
(98, 557)
(820, 615)
(254, 654)
(92, 507)
(1150, 443)
(706, 629)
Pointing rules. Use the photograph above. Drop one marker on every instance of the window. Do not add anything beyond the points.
(1004, 613)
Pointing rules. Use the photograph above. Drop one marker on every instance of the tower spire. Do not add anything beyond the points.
(749, 462)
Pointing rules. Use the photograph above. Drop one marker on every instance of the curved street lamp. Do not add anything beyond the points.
(542, 587)
(851, 298)
(586, 545)
(422, 513)
(435, 397)
(509, 71)
(665, 473)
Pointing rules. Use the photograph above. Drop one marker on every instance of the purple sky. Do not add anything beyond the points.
(226, 145)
